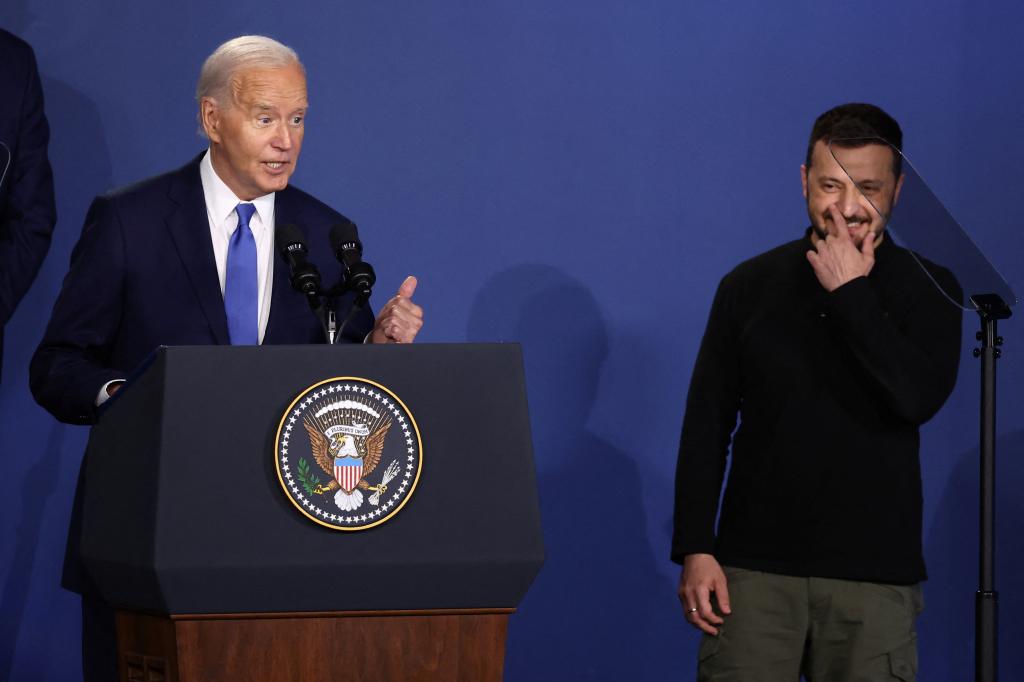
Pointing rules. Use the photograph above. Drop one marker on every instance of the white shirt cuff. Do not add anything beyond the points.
(103, 396)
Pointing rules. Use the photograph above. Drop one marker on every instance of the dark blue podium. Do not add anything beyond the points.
(214, 572)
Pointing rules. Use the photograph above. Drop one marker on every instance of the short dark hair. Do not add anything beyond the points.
(856, 122)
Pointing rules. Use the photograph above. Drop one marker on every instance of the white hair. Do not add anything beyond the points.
(238, 54)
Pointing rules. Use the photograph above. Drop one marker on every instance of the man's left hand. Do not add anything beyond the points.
(400, 319)
(836, 259)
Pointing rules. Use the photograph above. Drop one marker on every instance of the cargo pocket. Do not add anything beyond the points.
(903, 662)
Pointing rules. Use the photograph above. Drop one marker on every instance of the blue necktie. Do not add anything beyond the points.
(241, 283)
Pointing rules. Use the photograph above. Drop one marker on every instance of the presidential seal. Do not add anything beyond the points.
(348, 453)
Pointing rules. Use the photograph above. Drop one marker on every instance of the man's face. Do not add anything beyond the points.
(255, 139)
(865, 202)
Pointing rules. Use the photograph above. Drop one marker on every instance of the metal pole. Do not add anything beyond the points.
(991, 308)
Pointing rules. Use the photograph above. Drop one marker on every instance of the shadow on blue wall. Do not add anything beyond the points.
(43, 456)
(588, 615)
(952, 552)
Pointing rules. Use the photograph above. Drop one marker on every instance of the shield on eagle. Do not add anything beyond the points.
(348, 473)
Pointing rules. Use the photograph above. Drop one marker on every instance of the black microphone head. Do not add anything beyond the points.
(344, 239)
(361, 278)
(292, 246)
(289, 239)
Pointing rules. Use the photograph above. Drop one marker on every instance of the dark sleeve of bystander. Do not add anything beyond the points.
(27, 210)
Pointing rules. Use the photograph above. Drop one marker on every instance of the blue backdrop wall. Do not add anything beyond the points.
(575, 176)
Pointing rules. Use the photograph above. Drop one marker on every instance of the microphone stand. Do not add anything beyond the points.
(991, 308)
(358, 304)
(325, 309)
(321, 307)
(332, 327)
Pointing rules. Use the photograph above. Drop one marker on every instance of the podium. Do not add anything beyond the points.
(215, 574)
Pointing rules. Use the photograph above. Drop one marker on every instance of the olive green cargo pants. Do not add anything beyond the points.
(782, 627)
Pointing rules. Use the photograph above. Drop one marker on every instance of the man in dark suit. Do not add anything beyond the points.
(188, 258)
(159, 261)
(27, 211)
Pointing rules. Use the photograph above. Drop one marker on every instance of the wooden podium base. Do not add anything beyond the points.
(380, 646)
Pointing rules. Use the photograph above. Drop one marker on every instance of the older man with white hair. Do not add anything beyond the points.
(187, 258)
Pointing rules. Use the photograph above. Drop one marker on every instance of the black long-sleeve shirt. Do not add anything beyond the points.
(830, 389)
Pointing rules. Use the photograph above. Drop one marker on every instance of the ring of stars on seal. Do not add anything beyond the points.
(348, 453)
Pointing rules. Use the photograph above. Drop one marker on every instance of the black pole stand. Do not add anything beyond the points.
(991, 308)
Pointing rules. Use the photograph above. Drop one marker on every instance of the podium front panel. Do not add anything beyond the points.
(185, 512)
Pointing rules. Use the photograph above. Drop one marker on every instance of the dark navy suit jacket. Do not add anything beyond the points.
(27, 211)
(143, 275)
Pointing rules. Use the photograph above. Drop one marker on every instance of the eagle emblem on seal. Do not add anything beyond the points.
(348, 451)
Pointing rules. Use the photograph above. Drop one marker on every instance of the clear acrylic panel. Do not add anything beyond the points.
(5, 161)
(920, 223)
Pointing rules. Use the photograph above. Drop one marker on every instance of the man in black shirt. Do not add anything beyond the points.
(832, 349)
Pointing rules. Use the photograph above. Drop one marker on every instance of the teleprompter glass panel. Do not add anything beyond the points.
(915, 218)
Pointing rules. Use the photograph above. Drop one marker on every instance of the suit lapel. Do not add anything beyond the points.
(190, 229)
(284, 213)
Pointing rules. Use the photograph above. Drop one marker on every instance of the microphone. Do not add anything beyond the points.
(305, 277)
(359, 276)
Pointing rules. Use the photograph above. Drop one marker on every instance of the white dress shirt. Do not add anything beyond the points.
(220, 210)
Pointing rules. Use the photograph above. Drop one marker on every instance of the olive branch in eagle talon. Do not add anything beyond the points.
(324, 450)
(309, 482)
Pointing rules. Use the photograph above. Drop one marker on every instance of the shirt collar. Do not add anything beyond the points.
(221, 201)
